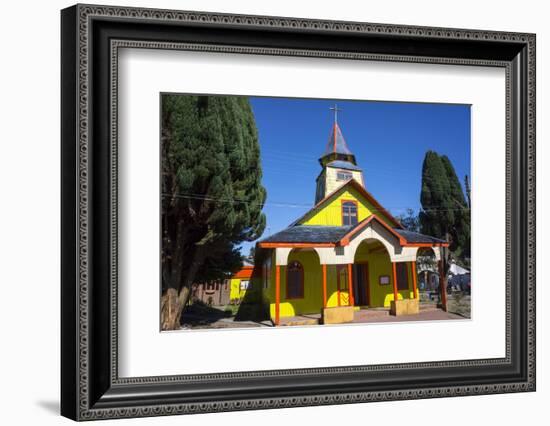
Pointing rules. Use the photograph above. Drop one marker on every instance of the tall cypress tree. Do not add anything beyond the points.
(445, 213)
(212, 196)
(468, 192)
(460, 228)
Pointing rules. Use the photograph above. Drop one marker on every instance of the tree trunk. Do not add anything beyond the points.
(172, 305)
(173, 302)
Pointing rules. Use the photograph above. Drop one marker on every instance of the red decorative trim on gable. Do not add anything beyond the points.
(347, 238)
(426, 245)
(296, 245)
(334, 138)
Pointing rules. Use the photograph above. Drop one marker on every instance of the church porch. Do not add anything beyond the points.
(369, 266)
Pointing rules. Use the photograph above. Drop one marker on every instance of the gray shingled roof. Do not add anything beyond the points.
(415, 237)
(309, 234)
(343, 165)
(333, 234)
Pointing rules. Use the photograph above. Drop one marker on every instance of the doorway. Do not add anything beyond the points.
(361, 284)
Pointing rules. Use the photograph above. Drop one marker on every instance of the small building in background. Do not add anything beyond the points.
(224, 292)
(214, 293)
(241, 282)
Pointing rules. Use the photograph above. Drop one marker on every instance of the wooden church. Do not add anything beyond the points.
(344, 254)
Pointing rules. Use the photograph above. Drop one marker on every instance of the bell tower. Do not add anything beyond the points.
(337, 162)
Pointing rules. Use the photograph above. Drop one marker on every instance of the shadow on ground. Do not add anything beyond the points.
(200, 313)
(252, 308)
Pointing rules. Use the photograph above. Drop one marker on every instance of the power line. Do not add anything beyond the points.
(293, 205)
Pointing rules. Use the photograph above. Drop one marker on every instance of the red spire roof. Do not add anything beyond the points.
(336, 142)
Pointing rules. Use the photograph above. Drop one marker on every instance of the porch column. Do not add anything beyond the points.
(324, 285)
(277, 293)
(443, 285)
(394, 270)
(415, 289)
(350, 286)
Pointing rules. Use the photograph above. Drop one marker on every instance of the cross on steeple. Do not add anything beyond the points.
(335, 109)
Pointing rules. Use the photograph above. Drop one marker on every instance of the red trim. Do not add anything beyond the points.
(277, 293)
(413, 271)
(425, 245)
(350, 287)
(363, 192)
(394, 281)
(334, 141)
(345, 240)
(301, 280)
(295, 245)
(324, 285)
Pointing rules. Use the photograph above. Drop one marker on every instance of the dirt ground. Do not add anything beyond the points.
(204, 317)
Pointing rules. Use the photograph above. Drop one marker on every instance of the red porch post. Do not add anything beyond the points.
(350, 286)
(277, 293)
(324, 285)
(338, 276)
(394, 270)
(413, 270)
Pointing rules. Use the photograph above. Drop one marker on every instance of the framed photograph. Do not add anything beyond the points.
(263, 212)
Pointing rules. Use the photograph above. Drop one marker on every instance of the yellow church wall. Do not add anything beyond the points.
(331, 213)
(332, 287)
(313, 293)
(380, 295)
(312, 302)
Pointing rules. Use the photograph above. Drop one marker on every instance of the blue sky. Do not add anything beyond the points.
(389, 140)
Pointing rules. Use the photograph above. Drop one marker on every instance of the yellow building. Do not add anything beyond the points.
(346, 252)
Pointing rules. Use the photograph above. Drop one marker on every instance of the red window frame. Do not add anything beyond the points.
(344, 202)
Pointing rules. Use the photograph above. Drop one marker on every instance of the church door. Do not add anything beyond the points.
(361, 284)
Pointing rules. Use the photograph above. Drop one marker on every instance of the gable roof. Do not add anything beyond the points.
(361, 225)
(356, 185)
(332, 236)
(308, 234)
(417, 238)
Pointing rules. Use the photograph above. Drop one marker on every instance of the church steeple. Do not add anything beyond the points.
(337, 148)
(338, 162)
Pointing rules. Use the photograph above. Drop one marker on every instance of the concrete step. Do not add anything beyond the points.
(299, 321)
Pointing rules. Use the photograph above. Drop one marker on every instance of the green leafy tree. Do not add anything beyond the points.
(445, 213)
(212, 196)
(409, 220)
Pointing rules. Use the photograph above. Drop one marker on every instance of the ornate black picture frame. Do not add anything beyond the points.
(91, 387)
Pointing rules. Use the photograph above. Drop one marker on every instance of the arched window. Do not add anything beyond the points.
(295, 280)
(349, 213)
